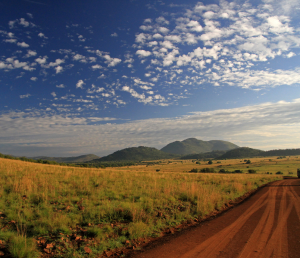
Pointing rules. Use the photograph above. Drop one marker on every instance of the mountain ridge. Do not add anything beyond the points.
(136, 154)
(75, 159)
(195, 146)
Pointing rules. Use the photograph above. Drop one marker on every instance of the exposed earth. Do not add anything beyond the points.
(265, 225)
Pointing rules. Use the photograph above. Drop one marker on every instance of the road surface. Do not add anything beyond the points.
(266, 225)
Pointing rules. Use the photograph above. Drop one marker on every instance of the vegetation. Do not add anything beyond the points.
(194, 146)
(246, 152)
(72, 212)
(136, 154)
(78, 159)
(206, 155)
(241, 153)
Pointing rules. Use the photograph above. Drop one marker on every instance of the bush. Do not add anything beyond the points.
(210, 162)
(279, 173)
(248, 161)
(194, 170)
(251, 171)
(238, 171)
(207, 170)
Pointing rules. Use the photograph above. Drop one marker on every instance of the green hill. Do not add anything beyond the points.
(136, 154)
(78, 159)
(195, 146)
(286, 152)
(206, 155)
(243, 152)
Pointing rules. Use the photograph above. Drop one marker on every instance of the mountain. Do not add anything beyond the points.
(78, 159)
(243, 152)
(206, 155)
(195, 146)
(286, 152)
(136, 154)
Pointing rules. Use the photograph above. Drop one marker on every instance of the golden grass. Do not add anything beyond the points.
(110, 208)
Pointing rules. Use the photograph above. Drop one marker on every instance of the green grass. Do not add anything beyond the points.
(68, 209)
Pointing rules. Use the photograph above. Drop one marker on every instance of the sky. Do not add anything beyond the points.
(80, 77)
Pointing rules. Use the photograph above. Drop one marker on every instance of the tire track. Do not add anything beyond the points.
(261, 229)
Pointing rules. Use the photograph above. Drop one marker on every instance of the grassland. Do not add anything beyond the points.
(55, 211)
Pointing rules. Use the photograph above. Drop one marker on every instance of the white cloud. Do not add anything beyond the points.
(33, 79)
(61, 86)
(42, 35)
(163, 30)
(112, 61)
(141, 38)
(59, 69)
(24, 22)
(53, 94)
(80, 84)
(146, 27)
(195, 26)
(11, 24)
(161, 20)
(25, 96)
(143, 53)
(291, 54)
(41, 61)
(141, 97)
(97, 67)
(10, 40)
(2, 65)
(263, 126)
(167, 44)
(157, 36)
(79, 57)
(209, 15)
(23, 44)
(31, 53)
(114, 34)
(56, 63)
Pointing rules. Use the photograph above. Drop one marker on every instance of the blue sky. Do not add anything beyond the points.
(82, 77)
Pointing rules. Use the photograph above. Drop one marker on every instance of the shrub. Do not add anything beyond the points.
(251, 171)
(279, 173)
(222, 170)
(194, 170)
(238, 171)
(210, 162)
(248, 161)
(207, 170)
(22, 247)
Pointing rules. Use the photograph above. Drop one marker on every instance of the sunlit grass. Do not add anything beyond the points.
(65, 208)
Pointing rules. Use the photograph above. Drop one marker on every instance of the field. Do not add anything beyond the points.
(53, 211)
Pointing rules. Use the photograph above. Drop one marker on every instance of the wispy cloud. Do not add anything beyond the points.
(268, 126)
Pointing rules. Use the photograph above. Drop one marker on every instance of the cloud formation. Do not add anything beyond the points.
(258, 126)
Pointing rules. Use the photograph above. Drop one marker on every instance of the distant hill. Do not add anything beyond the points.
(206, 155)
(78, 159)
(136, 154)
(243, 152)
(195, 146)
(286, 152)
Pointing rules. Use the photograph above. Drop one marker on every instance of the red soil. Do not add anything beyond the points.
(266, 225)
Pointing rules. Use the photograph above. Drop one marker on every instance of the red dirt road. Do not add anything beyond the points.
(266, 225)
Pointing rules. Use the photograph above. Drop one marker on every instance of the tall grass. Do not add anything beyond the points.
(65, 208)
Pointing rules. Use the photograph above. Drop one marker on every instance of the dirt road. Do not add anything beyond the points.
(266, 225)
